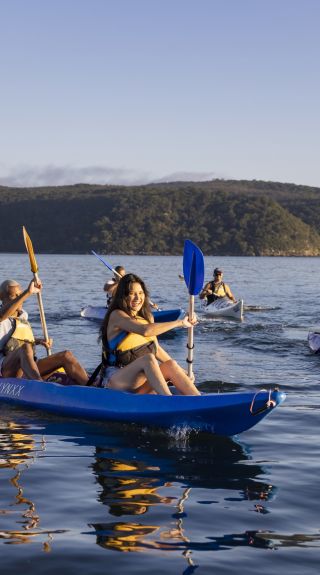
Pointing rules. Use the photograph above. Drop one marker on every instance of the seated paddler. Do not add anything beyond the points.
(216, 288)
(132, 359)
(110, 287)
(17, 341)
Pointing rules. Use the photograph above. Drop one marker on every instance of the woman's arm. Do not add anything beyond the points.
(229, 293)
(206, 290)
(119, 319)
(11, 307)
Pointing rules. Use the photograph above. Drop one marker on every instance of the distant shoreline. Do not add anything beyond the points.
(223, 217)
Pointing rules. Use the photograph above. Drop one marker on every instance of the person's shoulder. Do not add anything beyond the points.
(2, 320)
(118, 313)
(5, 324)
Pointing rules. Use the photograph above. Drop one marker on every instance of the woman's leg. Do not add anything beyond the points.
(129, 377)
(70, 364)
(172, 371)
(20, 362)
(141, 385)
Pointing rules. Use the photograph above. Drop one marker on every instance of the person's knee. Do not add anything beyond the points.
(149, 360)
(172, 364)
(67, 356)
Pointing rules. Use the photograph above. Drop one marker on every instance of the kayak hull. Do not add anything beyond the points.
(98, 313)
(222, 413)
(314, 341)
(225, 308)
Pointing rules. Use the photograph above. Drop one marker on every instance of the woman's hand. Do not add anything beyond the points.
(46, 343)
(186, 322)
(34, 287)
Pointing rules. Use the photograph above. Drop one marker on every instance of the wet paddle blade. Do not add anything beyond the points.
(29, 246)
(193, 267)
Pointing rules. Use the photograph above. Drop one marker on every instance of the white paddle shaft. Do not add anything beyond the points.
(190, 337)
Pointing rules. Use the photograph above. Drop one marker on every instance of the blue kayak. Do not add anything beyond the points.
(219, 413)
(98, 312)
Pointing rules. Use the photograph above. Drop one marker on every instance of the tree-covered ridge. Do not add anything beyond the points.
(224, 217)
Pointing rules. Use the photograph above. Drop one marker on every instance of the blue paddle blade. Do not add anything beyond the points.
(193, 267)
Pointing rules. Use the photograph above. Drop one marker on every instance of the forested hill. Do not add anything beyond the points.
(224, 217)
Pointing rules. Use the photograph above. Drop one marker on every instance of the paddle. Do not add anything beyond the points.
(115, 272)
(34, 269)
(106, 264)
(193, 271)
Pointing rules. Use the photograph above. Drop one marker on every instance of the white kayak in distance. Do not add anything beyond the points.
(224, 307)
(98, 312)
(314, 341)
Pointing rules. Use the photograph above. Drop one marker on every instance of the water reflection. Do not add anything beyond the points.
(157, 479)
(148, 484)
(18, 451)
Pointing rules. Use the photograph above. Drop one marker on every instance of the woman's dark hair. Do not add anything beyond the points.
(119, 301)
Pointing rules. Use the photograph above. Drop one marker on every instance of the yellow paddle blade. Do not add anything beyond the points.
(29, 246)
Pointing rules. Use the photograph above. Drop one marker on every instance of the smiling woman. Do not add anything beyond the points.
(133, 360)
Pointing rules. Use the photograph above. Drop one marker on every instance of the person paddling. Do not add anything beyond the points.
(216, 288)
(133, 360)
(110, 286)
(17, 341)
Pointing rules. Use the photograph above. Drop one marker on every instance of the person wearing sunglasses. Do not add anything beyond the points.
(216, 288)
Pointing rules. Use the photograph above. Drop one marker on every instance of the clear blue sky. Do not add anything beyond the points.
(128, 91)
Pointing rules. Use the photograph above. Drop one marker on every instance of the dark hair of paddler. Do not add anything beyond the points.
(120, 301)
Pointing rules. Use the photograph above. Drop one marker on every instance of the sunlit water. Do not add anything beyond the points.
(80, 496)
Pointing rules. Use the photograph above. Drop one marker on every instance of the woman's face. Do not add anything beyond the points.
(12, 293)
(136, 297)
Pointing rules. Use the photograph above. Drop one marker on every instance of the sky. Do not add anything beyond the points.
(139, 91)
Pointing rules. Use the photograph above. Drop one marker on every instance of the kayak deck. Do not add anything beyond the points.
(220, 413)
(225, 308)
(98, 313)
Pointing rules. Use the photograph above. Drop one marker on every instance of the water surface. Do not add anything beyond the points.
(85, 497)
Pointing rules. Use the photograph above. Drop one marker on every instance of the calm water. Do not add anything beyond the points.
(78, 497)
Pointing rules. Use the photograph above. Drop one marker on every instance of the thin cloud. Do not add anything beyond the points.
(28, 176)
(52, 175)
(187, 177)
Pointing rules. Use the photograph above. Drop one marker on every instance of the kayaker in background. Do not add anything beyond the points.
(133, 360)
(216, 288)
(17, 342)
(111, 285)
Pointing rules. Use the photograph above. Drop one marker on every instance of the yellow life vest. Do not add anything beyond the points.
(22, 333)
(133, 340)
(219, 290)
(125, 347)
